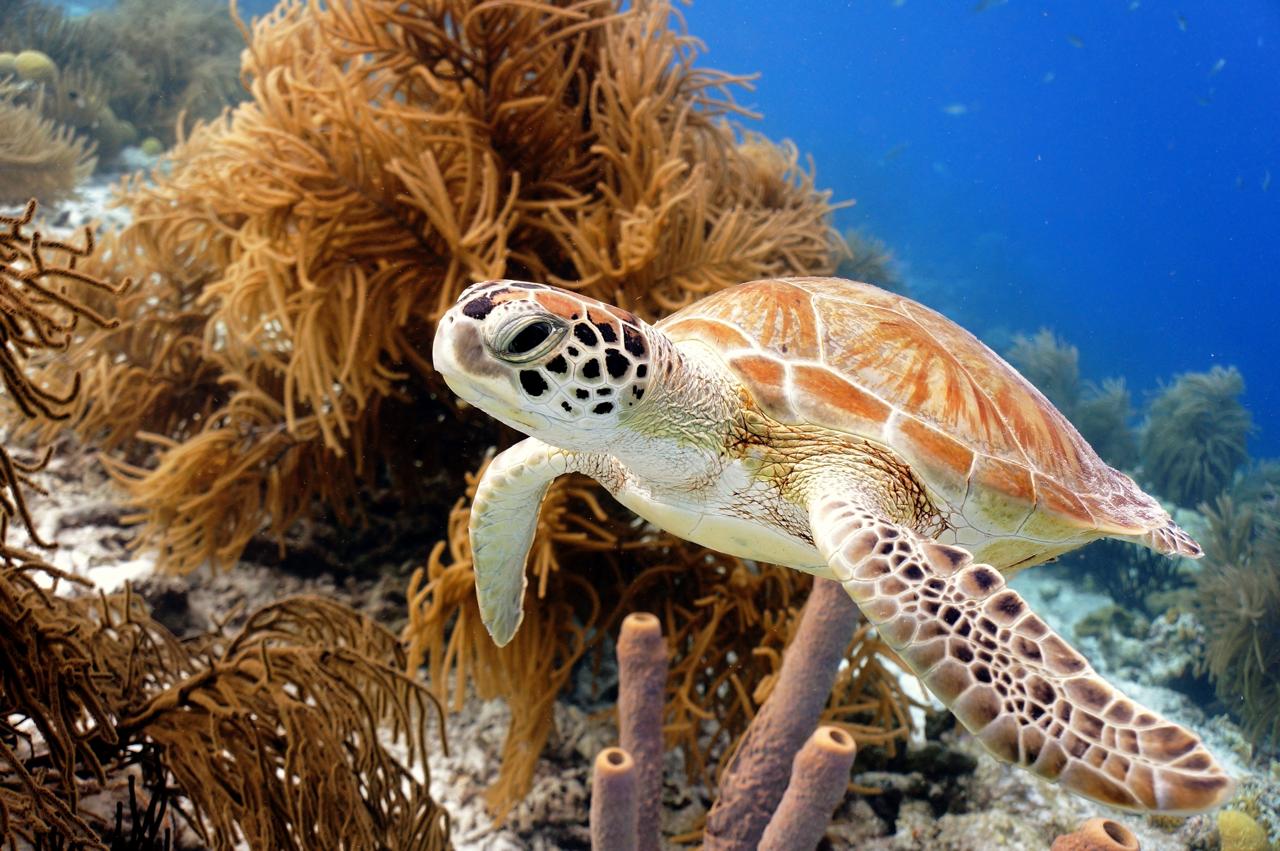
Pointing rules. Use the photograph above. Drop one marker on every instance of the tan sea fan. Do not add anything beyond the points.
(38, 157)
(274, 736)
(392, 154)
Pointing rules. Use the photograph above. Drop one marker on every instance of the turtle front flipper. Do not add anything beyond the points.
(1025, 693)
(504, 518)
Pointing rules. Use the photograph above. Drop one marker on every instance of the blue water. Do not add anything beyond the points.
(1099, 168)
(1102, 179)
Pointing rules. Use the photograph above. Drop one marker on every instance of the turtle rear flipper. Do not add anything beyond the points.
(1170, 540)
(1021, 689)
(504, 518)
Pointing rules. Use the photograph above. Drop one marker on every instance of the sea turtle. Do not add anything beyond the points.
(836, 428)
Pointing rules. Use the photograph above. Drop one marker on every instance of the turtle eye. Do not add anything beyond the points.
(527, 338)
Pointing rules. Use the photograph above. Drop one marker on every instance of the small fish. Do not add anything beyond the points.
(984, 5)
(1075, 41)
(1204, 100)
(1239, 182)
(1266, 180)
(1182, 23)
(956, 109)
(895, 152)
(898, 4)
(1217, 67)
(1048, 77)
(1133, 7)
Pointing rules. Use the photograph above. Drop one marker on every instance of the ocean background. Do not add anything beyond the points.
(1109, 170)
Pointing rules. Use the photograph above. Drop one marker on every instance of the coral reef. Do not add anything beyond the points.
(1195, 436)
(79, 101)
(38, 157)
(292, 257)
(377, 193)
(1103, 413)
(1100, 412)
(615, 802)
(816, 786)
(272, 736)
(1128, 573)
(1051, 364)
(1098, 834)
(171, 60)
(727, 625)
(37, 314)
(1238, 599)
(1258, 482)
(752, 783)
(152, 61)
(869, 260)
(642, 683)
(247, 729)
(35, 66)
(1238, 832)
(789, 802)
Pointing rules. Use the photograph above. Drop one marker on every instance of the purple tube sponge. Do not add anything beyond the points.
(642, 680)
(754, 784)
(613, 801)
(819, 779)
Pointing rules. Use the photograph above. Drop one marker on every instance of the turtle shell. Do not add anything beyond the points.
(857, 359)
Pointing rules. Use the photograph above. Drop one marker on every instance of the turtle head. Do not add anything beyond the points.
(554, 364)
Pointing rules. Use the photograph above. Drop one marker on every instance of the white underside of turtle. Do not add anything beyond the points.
(838, 429)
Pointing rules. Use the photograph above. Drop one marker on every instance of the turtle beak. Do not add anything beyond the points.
(458, 353)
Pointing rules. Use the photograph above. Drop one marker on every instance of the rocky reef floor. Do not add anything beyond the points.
(945, 792)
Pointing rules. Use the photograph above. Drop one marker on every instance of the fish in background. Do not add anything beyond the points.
(894, 152)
